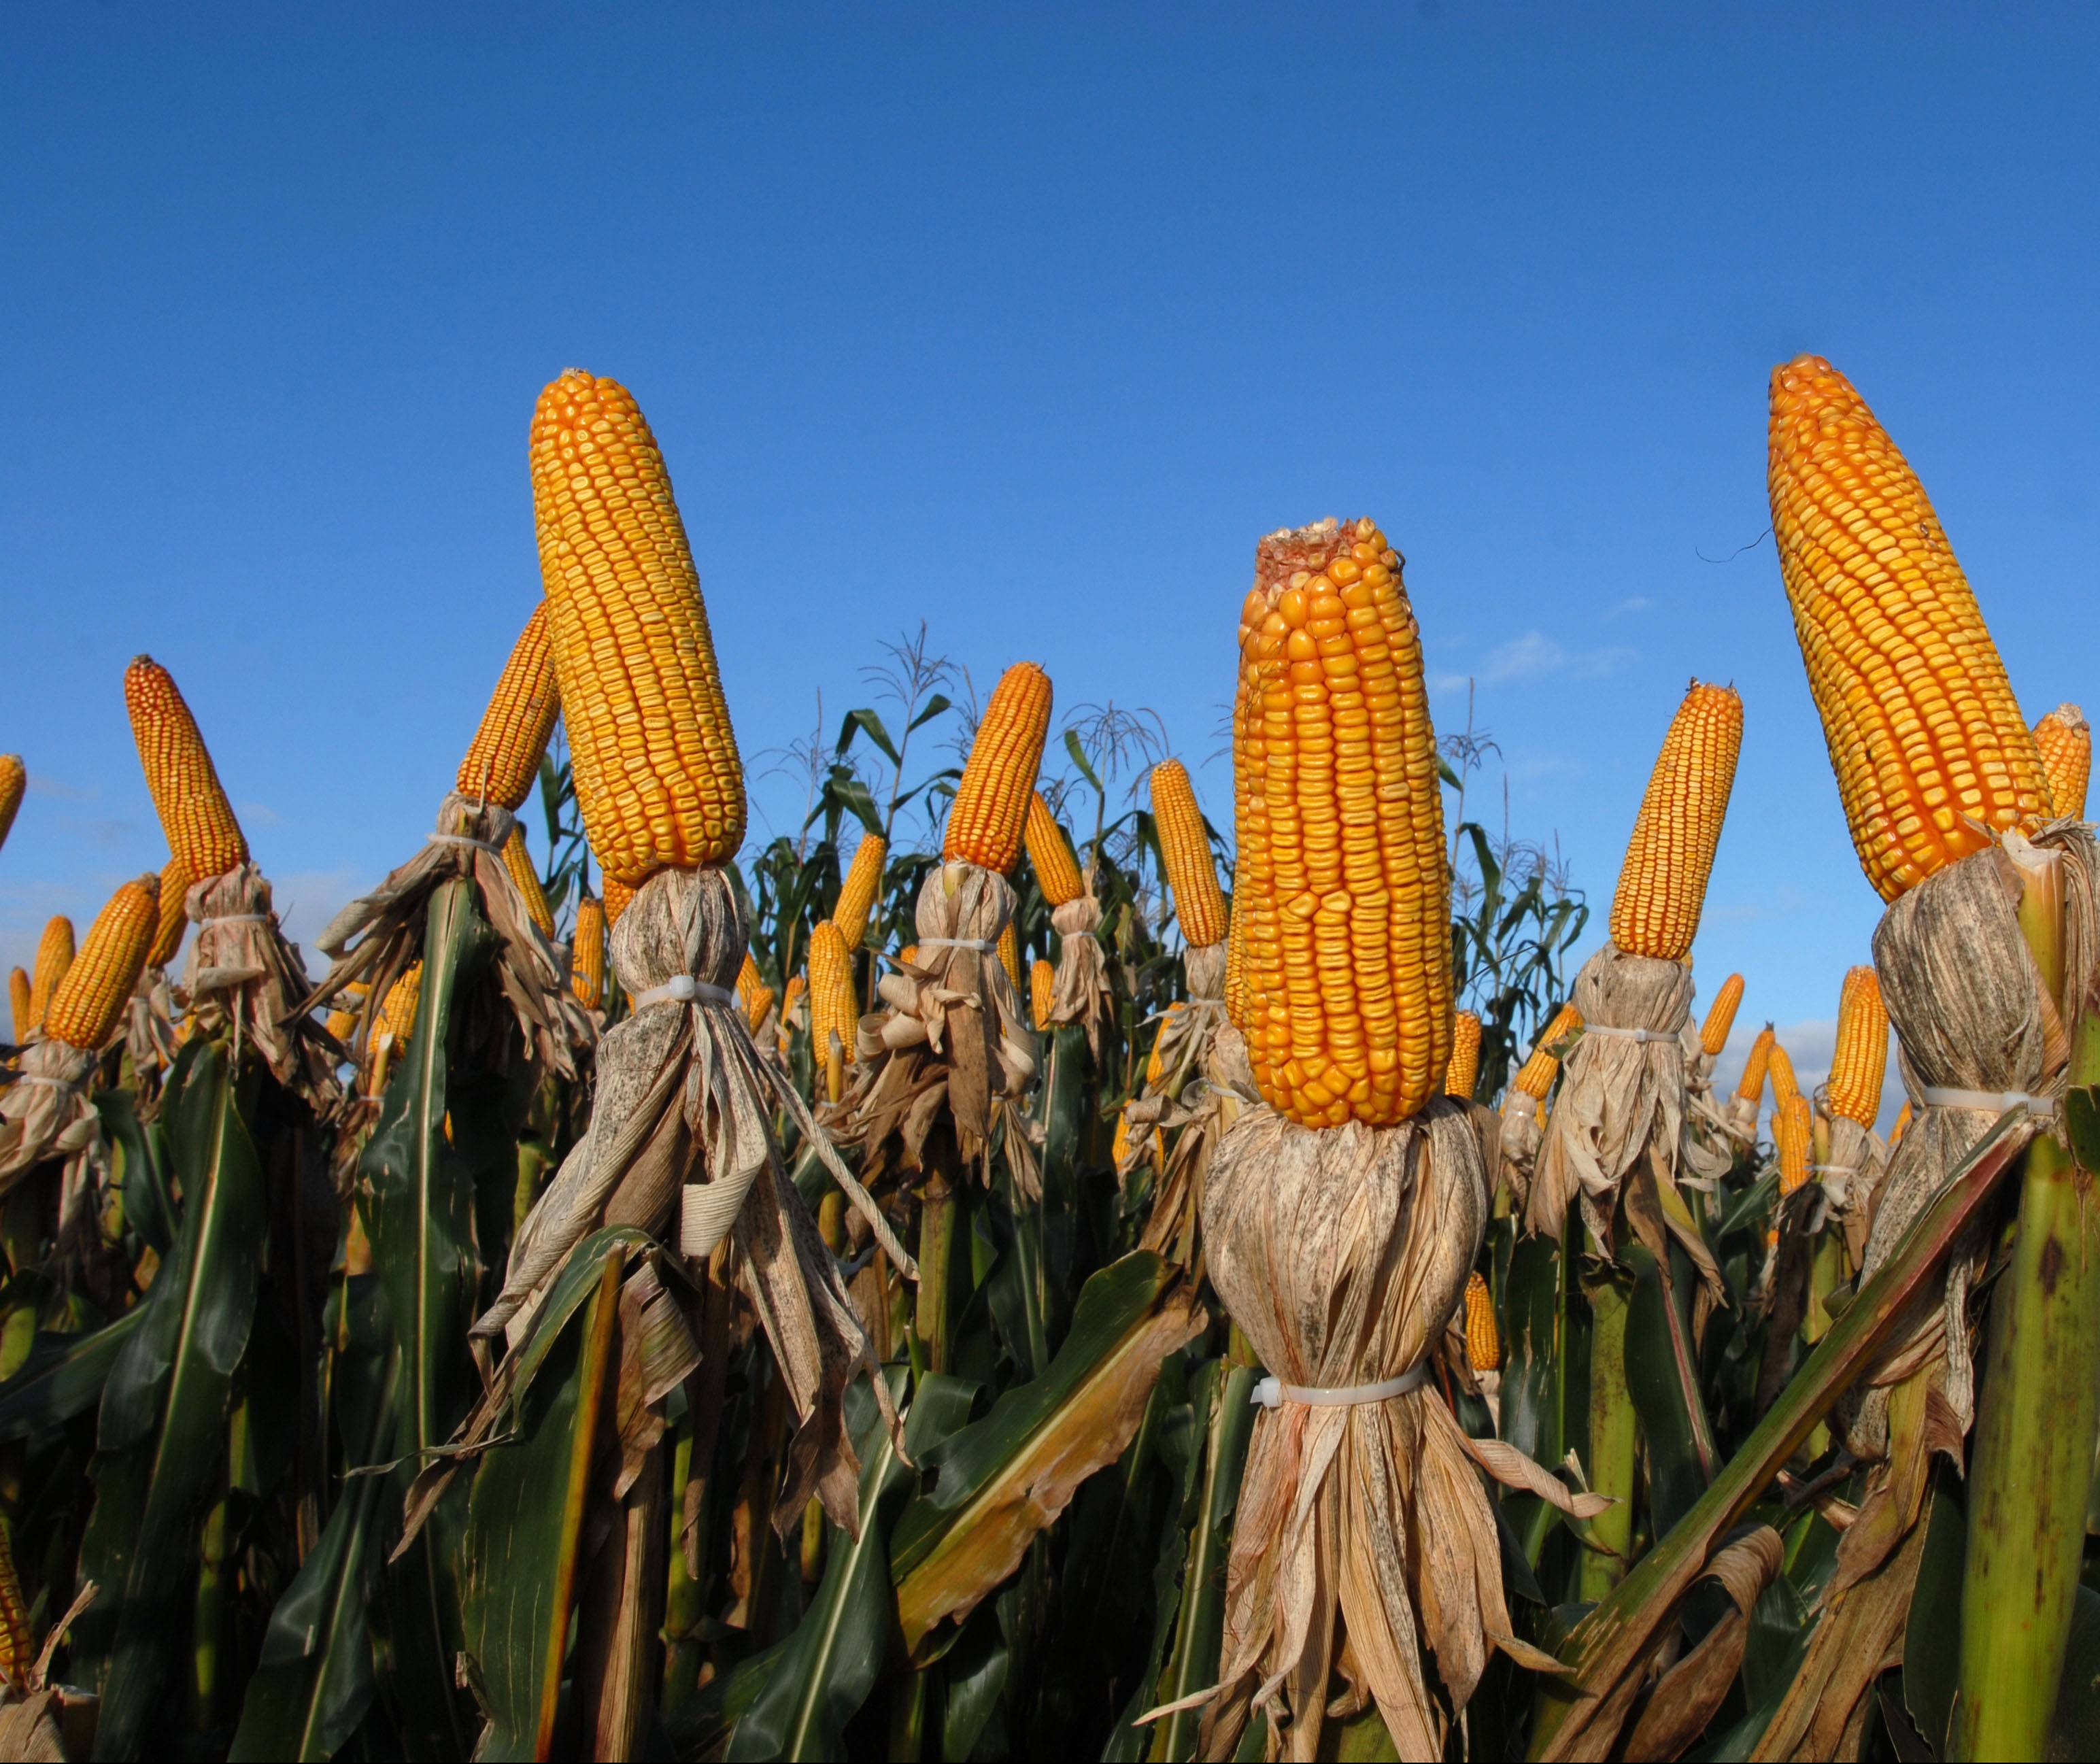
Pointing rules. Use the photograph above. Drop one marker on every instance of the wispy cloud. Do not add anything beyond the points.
(260, 814)
(1534, 656)
(1634, 603)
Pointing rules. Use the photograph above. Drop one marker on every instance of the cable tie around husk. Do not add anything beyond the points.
(1995, 1101)
(1628, 1035)
(42, 1078)
(234, 919)
(983, 946)
(463, 839)
(684, 990)
(1833, 1170)
(1273, 1393)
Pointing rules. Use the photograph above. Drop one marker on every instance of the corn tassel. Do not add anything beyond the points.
(990, 810)
(2065, 741)
(1662, 883)
(1056, 870)
(858, 892)
(89, 1002)
(195, 815)
(1860, 1062)
(1192, 875)
(502, 761)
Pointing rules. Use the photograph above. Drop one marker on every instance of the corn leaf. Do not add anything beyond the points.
(62, 1376)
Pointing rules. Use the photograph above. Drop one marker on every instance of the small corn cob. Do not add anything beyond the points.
(587, 954)
(991, 809)
(1535, 1077)
(857, 893)
(1119, 1147)
(1902, 1124)
(1056, 870)
(1662, 884)
(1464, 1072)
(797, 985)
(14, 779)
(1752, 1089)
(618, 896)
(1792, 1130)
(1862, 1055)
(2065, 740)
(1785, 1088)
(86, 1005)
(1192, 876)
(833, 1005)
(1484, 1336)
(1343, 878)
(174, 914)
(502, 761)
(198, 820)
(1932, 755)
(342, 1020)
(17, 1640)
(1155, 1062)
(657, 772)
(397, 1010)
(1721, 1015)
(752, 993)
(909, 954)
(1009, 955)
(21, 1000)
(54, 952)
(517, 860)
(1042, 987)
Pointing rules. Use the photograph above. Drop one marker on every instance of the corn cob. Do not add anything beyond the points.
(657, 772)
(1235, 987)
(517, 860)
(17, 1640)
(1752, 1087)
(909, 954)
(1902, 1124)
(1347, 957)
(174, 914)
(342, 1020)
(2065, 741)
(1464, 1072)
(833, 1006)
(1785, 1088)
(1662, 884)
(14, 779)
(85, 1005)
(195, 815)
(1862, 1056)
(1155, 1062)
(1721, 1015)
(397, 1010)
(1042, 987)
(503, 760)
(1931, 753)
(55, 953)
(991, 809)
(857, 893)
(1119, 1146)
(1792, 1128)
(752, 992)
(1009, 955)
(1191, 874)
(19, 999)
(618, 896)
(1535, 1077)
(797, 985)
(587, 954)
(1484, 1336)
(1056, 870)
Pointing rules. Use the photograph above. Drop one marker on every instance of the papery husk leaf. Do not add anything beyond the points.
(242, 973)
(1080, 993)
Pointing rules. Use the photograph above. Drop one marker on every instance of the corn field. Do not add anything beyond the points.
(1008, 1268)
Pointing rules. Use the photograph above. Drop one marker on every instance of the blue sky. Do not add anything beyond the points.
(1028, 322)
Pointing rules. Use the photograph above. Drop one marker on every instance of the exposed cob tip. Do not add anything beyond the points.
(1042, 990)
(174, 920)
(1484, 1335)
(1009, 954)
(14, 780)
(517, 860)
(195, 814)
(55, 954)
(1535, 1077)
(2065, 741)
(1860, 1061)
(1662, 883)
(1751, 1089)
(1192, 874)
(657, 772)
(987, 820)
(1464, 1071)
(503, 759)
(1901, 1125)
(342, 1020)
(1931, 753)
(1721, 1016)
(861, 889)
(587, 954)
(752, 993)
(1056, 870)
(99, 983)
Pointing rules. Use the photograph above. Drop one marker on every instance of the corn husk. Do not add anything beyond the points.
(1517, 1142)
(46, 1112)
(243, 974)
(1081, 993)
(1850, 1178)
(149, 1028)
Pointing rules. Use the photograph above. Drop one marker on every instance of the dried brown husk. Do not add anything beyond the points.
(1713, 1125)
(1517, 1142)
(47, 1112)
(1362, 1533)
(243, 975)
(1851, 1177)
(149, 1029)
(1080, 992)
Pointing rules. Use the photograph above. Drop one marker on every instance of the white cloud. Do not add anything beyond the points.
(1534, 655)
(1632, 603)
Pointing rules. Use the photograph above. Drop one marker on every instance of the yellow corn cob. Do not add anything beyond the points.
(20, 1000)
(587, 954)
(1191, 873)
(857, 893)
(1931, 753)
(342, 1020)
(1721, 1015)
(17, 1641)
(1792, 1128)
(1120, 1146)
(1155, 1065)
(55, 951)
(1344, 878)
(502, 761)
(909, 954)
(1784, 1088)
(1662, 884)
(1009, 955)
(833, 1006)
(1464, 1072)
(752, 993)
(517, 860)
(1056, 870)
(656, 768)
(195, 814)
(797, 985)
(174, 914)
(397, 1010)
(1484, 1336)
(1752, 1089)
(14, 779)
(2063, 738)
(1862, 1056)
(1535, 1077)
(1042, 986)
(1902, 1124)
(1235, 971)
(985, 820)
(85, 1005)
(618, 896)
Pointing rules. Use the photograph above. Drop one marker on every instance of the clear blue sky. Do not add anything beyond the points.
(1028, 322)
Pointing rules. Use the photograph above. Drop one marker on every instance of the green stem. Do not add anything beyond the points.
(1613, 1446)
(683, 1605)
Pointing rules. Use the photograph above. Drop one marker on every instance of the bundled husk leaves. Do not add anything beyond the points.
(1081, 993)
(1851, 1177)
(242, 974)
(149, 1026)
(46, 1112)
(1516, 1145)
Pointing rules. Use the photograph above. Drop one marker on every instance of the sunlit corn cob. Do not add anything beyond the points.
(834, 1008)
(1662, 883)
(1721, 1015)
(797, 985)
(1464, 1071)
(991, 809)
(751, 991)
(1901, 1124)
(1056, 870)
(1484, 1336)
(1793, 1132)
(2065, 741)
(1535, 1077)
(502, 761)
(1235, 988)
(397, 1010)
(20, 1002)
(1861, 1060)
(587, 954)
(1192, 874)
(175, 919)
(1344, 880)
(1155, 1063)
(1751, 1088)
(1119, 1146)
(517, 860)
(195, 815)
(17, 1640)
(859, 892)
(657, 772)
(1931, 753)
(1009, 955)
(55, 953)
(908, 954)
(1784, 1086)
(1042, 989)
(99, 983)
(342, 1020)
(14, 779)
(618, 896)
